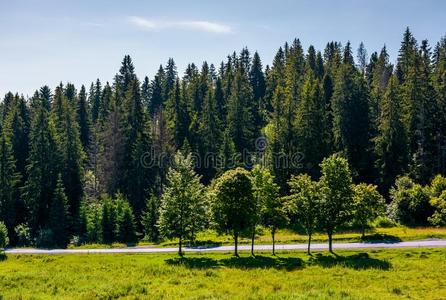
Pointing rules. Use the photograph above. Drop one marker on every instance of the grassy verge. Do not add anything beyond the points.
(378, 274)
(284, 236)
(394, 234)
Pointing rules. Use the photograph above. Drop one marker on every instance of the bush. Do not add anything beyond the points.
(45, 238)
(4, 240)
(384, 222)
(410, 202)
(438, 218)
(23, 235)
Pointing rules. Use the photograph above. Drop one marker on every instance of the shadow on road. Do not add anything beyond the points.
(360, 261)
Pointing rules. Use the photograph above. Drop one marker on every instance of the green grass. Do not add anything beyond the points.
(290, 237)
(377, 274)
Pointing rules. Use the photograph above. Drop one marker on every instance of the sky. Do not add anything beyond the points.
(44, 42)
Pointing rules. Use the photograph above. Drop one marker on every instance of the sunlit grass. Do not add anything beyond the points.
(286, 236)
(377, 274)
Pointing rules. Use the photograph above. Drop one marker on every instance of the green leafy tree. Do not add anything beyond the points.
(4, 240)
(337, 195)
(305, 203)
(270, 206)
(410, 202)
(233, 205)
(183, 209)
(368, 205)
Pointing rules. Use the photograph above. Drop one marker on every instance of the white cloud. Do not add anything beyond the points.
(192, 25)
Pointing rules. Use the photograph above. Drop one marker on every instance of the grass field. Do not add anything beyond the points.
(290, 237)
(378, 274)
(284, 236)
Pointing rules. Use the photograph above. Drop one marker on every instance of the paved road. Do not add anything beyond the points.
(409, 244)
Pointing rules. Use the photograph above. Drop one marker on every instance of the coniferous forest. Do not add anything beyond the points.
(169, 155)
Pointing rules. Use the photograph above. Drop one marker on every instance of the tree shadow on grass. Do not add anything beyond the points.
(359, 261)
(381, 238)
(203, 244)
(257, 262)
(3, 257)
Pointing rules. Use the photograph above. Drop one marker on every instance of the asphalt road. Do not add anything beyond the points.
(345, 246)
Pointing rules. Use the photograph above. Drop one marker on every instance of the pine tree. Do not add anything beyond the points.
(9, 180)
(108, 221)
(310, 125)
(83, 118)
(351, 118)
(239, 119)
(391, 141)
(94, 100)
(72, 155)
(59, 217)
(43, 168)
(156, 97)
(149, 219)
(258, 83)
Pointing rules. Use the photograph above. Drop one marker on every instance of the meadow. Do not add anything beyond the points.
(287, 236)
(377, 274)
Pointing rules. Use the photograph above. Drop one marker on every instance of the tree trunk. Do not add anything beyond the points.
(330, 241)
(180, 252)
(363, 232)
(235, 243)
(252, 240)
(273, 235)
(309, 244)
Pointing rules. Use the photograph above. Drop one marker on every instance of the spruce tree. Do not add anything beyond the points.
(391, 141)
(58, 216)
(72, 154)
(44, 165)
(9, 180)
(83, 118)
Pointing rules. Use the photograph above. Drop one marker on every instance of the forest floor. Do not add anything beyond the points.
(371, 274)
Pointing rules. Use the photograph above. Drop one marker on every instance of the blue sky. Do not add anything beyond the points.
(45, 42)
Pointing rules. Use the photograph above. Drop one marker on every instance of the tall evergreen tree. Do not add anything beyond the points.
(83, 118)
(391, 141)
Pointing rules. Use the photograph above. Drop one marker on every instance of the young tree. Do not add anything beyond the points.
(270, 206)
(337, 195)
(125, 221)
(4, 240)
(368, 205)
(305, 203)
(149, 219)
(183, 205)
(233, 205)
(58, 218)
(108, 221)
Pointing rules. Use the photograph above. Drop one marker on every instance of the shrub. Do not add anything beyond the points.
(384, 222)
(45, 238)
(438, 218)
(410, 202)
(4, 240)
(23, 235)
